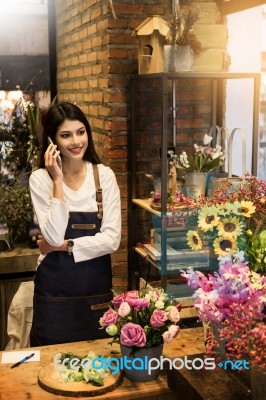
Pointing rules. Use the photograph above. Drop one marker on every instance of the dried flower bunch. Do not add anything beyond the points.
(204, 158)
(144, 318)
(244, 335)
(181, 28)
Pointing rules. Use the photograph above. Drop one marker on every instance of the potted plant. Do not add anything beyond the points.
(181, 42)
(16, 209)
(19, 158)
(197, 163)
(141, 321)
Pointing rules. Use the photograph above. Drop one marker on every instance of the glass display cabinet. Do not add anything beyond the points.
(170, 112)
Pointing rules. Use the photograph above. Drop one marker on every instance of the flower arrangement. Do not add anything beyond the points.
(233, 285)
(248, 200)
(223, 226)
(145, 318)
(181, 28)
(233, 299)
(92, 372)
(204, 158)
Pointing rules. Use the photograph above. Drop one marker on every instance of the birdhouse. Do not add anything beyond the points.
(151, 34)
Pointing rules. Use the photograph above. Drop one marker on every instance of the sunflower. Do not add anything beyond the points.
(208, 218)
(229, 208)
(246, 208)
(224, 245)
(194, 240)
(230, 227)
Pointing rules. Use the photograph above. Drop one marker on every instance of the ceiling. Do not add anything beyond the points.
(232, 6)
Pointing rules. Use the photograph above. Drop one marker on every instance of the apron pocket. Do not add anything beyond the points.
(71, 319)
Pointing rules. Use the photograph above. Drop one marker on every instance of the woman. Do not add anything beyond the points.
(73, 280)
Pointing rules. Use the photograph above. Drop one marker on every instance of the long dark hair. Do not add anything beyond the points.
(55, 116)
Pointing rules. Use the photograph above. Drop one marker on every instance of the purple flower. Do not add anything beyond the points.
(132, 335)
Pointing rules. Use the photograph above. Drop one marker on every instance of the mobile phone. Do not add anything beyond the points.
(58, 158)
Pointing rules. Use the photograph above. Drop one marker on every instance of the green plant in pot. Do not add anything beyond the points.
(19, 156)
(16, 209)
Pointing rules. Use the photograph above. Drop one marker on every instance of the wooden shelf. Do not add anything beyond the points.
(146, 204)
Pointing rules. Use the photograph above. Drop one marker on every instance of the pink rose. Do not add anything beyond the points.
(173, 314)
(124, 309)
(172, 332)
(117, 300)
(132, 335)
(109, 317)
(139, 303)
(158, 318)
(131, 294)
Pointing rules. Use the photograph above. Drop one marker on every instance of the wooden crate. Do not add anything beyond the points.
(211, 36)
(211, 60)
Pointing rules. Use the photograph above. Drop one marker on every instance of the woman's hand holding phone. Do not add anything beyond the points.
(58, 158)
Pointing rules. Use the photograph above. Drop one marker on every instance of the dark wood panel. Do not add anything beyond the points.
(29, 72)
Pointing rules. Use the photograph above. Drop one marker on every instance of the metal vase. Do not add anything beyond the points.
(135, 372)
(178, 58)
(196, 183)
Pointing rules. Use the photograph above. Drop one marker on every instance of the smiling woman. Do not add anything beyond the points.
(78, 209)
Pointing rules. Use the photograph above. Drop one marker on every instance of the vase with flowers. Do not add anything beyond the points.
(141, 322)
(197, 164)
(181, 41)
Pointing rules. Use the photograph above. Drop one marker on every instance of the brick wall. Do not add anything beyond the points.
(96, 56)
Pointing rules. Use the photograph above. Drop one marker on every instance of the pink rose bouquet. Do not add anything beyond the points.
(144, 318)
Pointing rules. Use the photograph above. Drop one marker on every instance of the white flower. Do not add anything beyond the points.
(124, 309)
(184, 159)
(159, 304)
(207, 139)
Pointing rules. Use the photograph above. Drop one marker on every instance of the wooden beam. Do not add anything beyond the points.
(233, 6)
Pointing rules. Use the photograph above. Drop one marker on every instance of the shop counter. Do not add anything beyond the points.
(22, 382)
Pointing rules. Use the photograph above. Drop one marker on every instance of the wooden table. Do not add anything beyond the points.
(22, 383)
(210, 385)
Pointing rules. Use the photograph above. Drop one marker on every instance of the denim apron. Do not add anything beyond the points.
(69, 297)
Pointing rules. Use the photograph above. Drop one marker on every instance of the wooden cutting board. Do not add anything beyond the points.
(49, 380)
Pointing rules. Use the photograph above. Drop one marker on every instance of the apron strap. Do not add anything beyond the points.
(99, 191)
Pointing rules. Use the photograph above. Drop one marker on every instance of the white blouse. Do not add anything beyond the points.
(52, 214)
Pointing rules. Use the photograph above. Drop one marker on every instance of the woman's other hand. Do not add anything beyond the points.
(46, 248)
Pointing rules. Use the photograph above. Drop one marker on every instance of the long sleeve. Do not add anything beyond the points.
(52, 214)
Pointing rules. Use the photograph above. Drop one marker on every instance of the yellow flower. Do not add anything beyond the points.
(230, 227)
(224, 245)
(208, 218)
(246, 208)
(228, 208)
(194, 240)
